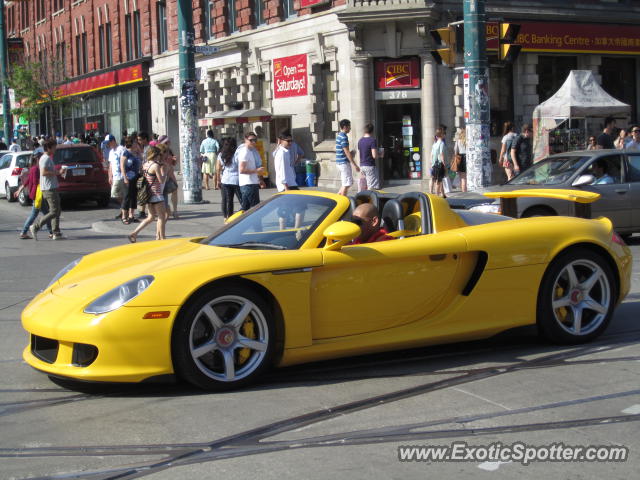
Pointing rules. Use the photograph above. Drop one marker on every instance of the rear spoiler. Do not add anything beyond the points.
(581, 199)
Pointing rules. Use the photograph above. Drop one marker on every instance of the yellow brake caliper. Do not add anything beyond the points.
(248, 330)
(562, 311)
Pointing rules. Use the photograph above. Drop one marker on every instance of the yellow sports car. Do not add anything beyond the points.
(283, 284)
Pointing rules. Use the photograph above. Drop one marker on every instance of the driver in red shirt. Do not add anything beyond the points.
(366, 216)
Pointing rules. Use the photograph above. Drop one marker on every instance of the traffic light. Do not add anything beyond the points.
(445, 38)
(507, 36)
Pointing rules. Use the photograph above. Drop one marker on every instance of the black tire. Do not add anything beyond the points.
(539, 212)
(576, 297)
(213, 353)
(23, 198)
(8, 191)
(103, 201)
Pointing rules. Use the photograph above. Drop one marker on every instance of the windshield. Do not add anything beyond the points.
(74, 155)
(551, 171)
(283, 222)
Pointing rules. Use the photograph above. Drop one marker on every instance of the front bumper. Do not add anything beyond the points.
(128, 347)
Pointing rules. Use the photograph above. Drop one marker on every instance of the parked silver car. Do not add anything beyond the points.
(615, 174)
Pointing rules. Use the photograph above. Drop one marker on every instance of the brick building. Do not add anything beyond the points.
(309, 63)
(103, 48)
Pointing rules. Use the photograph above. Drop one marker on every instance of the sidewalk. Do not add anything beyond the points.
(199, 219)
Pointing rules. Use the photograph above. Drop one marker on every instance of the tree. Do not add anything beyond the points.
(37, 89)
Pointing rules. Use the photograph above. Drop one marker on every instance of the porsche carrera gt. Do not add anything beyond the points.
(282, 285)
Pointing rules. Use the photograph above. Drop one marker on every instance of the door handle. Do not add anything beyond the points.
(621, 190)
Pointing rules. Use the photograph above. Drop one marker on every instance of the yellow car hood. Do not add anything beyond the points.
(182, 263)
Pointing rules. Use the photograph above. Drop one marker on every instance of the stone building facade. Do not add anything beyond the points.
(341, 55)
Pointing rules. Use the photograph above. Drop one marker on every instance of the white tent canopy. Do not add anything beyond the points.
(581, 96)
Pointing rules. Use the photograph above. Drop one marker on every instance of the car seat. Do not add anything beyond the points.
(392, 217)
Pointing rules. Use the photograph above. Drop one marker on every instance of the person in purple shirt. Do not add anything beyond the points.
(368, 149)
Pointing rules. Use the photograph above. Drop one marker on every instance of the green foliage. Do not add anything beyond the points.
(25, 81)
(36, 87)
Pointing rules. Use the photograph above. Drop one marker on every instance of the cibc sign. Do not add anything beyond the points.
(403, 73)
(290, 76)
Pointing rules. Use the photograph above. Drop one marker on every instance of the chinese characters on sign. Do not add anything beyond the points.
(290, 76)
(573, 38)
(397, 74)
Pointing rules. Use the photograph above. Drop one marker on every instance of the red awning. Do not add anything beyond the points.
(114, 78)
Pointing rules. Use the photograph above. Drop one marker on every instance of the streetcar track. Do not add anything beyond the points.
(284, 376)
(157, 449)
(251, 441)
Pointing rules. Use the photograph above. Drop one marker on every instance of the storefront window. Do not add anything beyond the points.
(130, 110)
(401, 139)
(501, 92)
(552, 72)
(327, 96)
(619, 80)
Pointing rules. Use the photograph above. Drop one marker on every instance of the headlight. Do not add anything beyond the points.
(487, 208)
(119, 295)
(64, 271)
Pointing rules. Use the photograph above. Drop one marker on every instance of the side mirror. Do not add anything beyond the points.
(234, 216)
(339, 234)
(586, 179)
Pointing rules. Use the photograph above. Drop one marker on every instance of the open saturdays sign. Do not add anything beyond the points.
(290, 76)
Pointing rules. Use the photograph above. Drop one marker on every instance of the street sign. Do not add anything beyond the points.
(206, 49)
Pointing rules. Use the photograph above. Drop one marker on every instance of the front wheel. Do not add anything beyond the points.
(223, 338)
(576, 297)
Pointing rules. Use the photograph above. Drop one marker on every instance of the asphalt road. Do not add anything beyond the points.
(342, 419)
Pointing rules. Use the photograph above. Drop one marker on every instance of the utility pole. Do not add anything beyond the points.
(6, 103)
(476, 64)
(188, 106)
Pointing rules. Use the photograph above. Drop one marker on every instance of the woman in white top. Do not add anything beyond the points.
(438, 163)
(509, 134)
(460, 148)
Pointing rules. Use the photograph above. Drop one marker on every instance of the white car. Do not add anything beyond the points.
(12, 165)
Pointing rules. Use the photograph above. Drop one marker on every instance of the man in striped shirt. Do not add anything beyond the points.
(344, 159)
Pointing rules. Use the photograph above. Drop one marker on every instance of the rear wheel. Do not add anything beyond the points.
(8, 191)
(23, 198)
(576, 297)
(223, 338)
(103, 201)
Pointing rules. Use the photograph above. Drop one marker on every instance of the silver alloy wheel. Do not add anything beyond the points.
(218, 341)
(581, 297)
(7, 191)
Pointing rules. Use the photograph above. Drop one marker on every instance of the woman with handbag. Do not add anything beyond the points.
(459, 163)
(32, 183)
(438, 163)
(154, 170)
